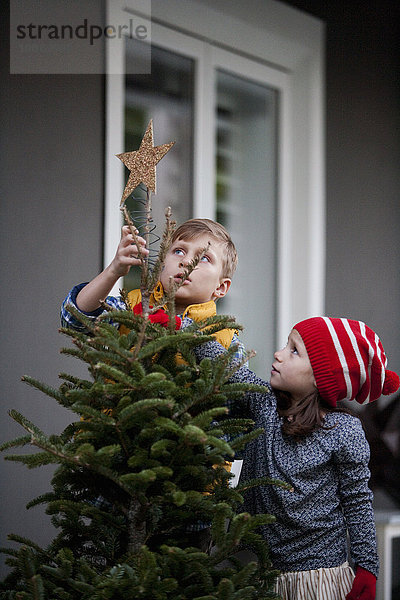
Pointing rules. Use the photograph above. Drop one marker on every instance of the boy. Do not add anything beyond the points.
(195, 299)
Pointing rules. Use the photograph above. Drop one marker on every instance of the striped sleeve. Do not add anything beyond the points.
(71, 322)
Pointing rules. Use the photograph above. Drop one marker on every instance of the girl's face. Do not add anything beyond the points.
(291, 370)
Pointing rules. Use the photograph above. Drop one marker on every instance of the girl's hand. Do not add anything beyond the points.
(364, 586)
(127, 254)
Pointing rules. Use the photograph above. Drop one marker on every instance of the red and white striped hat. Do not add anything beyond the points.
(348, 360)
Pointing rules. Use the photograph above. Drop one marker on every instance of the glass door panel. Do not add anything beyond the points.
(244, 127)
(246, 204)
(166, 95)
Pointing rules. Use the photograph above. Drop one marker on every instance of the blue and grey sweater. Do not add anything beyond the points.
(329, 473)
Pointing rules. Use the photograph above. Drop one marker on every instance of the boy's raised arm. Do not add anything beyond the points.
(126, 256)
(241, 375)
(252, 402)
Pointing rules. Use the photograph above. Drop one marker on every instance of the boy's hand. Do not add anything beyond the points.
(90, 297)
(127, 253)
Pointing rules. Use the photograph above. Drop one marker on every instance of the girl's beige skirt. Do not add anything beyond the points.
(318, 584)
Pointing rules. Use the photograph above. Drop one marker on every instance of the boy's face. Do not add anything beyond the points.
(205, 281)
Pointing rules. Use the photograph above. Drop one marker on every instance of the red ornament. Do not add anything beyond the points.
(160, 316)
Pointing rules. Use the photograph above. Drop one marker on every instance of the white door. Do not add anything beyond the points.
(241, 157)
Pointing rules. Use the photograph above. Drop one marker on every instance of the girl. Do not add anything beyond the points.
(321, 450)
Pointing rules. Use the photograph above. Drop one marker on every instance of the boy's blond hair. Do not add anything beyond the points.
(195, 227)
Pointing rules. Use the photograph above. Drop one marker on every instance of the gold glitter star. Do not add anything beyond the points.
(142, 163)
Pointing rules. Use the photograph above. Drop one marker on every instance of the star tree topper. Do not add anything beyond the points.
(142, 163)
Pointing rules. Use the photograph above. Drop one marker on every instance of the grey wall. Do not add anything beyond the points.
(51, 178)
(363, 183)
(51, 190)
(362, 159)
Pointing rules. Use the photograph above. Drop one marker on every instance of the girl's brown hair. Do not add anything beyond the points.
(300, 419)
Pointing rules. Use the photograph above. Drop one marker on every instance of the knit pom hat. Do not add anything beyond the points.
(348, 360)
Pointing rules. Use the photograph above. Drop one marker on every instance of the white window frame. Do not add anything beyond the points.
(285, 53)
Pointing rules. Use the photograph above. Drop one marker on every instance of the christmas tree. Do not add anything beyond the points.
(141, 468)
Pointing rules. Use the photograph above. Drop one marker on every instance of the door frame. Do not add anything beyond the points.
(288, 51)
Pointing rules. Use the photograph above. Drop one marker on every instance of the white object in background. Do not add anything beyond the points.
(236, 468)
(387, 528)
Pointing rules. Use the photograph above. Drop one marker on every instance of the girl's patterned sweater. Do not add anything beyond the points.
(328, 471)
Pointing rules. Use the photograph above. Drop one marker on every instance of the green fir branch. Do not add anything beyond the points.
(83, 456)
(87, 323)
(238, 389)
(247, 485)
(123, 317)
(21, 441)
(115, 374)
(75, 381)
(205, 418)
(169, 341)
(46, 389)
(241, 441)
(165, 245)
(89, 412)
(32, 461)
